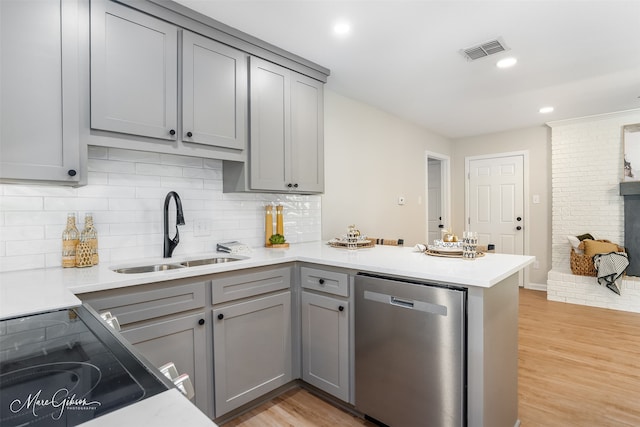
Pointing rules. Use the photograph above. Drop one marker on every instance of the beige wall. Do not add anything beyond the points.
(537, 142)
(371, 158)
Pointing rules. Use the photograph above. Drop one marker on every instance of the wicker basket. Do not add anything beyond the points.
(582, 265)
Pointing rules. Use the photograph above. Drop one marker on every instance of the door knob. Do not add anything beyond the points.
(189, 134)
(518, 228)
(172, 132)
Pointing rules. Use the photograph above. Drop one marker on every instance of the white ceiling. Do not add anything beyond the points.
(582, 57)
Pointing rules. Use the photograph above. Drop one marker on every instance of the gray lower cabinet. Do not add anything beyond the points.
(166, 322)
(325, 343)
(286, 133)
(39, 101)
(134, 66)
(251, 349)
(181, 340)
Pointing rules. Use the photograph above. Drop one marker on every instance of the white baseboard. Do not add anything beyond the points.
(536, 286)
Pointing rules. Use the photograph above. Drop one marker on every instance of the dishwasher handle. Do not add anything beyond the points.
(401, 303)
(423, 306)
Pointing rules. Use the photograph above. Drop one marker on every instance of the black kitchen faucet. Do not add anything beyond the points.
(170, 244)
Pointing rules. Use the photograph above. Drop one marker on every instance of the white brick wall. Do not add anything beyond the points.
(586, 169)
(125, 192)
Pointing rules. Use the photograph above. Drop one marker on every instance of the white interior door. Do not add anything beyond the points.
(496, 202)
(434, 202)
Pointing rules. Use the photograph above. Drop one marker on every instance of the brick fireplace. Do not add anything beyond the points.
(586, 171)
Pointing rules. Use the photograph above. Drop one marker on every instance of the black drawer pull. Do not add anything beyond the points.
(341, 308)
(220, 316)
(201, 322)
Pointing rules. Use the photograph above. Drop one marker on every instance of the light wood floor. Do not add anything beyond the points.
(578, 366)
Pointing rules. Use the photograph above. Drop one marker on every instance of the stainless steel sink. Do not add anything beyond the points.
(207, 261)
(148, 268)
(184, 264)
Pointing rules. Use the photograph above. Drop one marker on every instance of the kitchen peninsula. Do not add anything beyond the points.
(492, 303)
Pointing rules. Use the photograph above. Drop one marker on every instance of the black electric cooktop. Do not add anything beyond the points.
(63, 368)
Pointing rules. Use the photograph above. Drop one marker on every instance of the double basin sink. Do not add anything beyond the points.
(150, 268)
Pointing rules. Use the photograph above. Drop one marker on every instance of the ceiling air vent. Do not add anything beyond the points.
(485, 49)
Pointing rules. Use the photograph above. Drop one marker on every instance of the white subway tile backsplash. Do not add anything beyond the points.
(104, 165)
(133, 156)
(159, 170)
(186, 161)
(125, 192)
(22, 233)
(131, 180)
(21, 203)
(172, 182)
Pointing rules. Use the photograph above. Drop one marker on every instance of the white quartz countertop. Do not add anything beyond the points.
(34, 291)
(167, 409)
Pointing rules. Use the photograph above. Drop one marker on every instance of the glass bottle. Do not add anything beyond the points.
(268, 223)
(90, 236)
(70, 237)
(279, 220)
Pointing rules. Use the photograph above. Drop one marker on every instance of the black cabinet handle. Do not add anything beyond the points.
(189, 134)
(341, 308)
(172, 132)
(72, 172)
(321, 281)
(518, 228)
(519, 219)
(295, 185)
(289, 185)
(201, 322)
(220, 316)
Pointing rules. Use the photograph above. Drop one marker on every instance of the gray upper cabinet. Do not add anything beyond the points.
(286, 130)
(214, 93)
(39, 105)
(134, 65)
(307, 134)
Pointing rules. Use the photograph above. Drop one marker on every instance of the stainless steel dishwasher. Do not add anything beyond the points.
(410, 352)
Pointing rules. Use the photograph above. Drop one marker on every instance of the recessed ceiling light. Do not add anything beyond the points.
(507, 62)
(341, 28)
(545, 110)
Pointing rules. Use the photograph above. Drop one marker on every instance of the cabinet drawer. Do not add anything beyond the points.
(260, 281)
(325, 281)
(134, 305)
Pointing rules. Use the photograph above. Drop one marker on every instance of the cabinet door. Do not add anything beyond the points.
(325, 344)
(252, 349)
(307, 134)
(270, 105)
(134, 60)
(39, 116)
(180, 340)
(214, 91)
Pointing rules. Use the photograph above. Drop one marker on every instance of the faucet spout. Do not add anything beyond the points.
(170, 244)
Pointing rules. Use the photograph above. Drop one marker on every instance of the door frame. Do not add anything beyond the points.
(445, 183)
(525, 197)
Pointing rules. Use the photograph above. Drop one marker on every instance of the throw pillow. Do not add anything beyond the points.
(575, 242)
(592, 247)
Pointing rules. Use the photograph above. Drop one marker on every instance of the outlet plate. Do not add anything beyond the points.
(201, 227)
